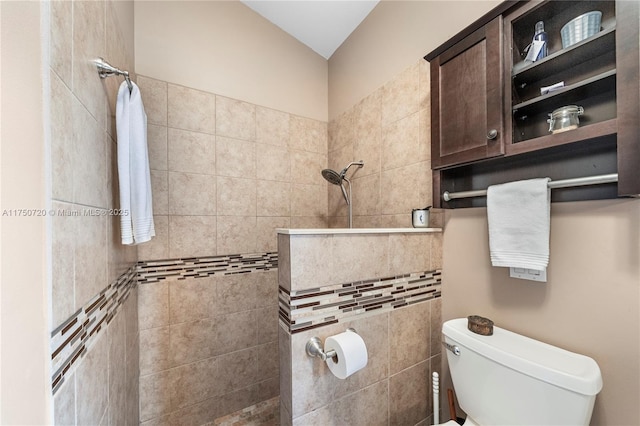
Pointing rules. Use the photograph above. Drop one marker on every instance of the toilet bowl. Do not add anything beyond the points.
(510, 379)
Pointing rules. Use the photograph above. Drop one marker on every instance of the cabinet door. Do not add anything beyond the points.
(467, 105)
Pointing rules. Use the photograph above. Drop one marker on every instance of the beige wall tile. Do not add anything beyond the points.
(236, 293)
(192, 194)
(272, 127)
(411, 253)
(424, 76)
(236, 197)
(158, 247)
(308, 222)
(191, 152)
(116, 370)
(436, 252)
(63, 242)
(306, 167)
(237, 370)
(64, 402)
(308, 200)
(405, 188)
(269, 366)
(366, 195)
(400, 97)
(235, 119)
(192, 236)
(367, 141)
(193, 341)
(191, 109)
(436, 326)
(154, 350)
(425, 133)
(234, 332)
(236, 158)
(286, 372)
(306, 134)
(401, 143)
(90, 257)
(61, 40)
(311, 261)
(266, 320)
(266, 238)
(92, 380)
(155, 401)
(273, 198)
(350, 265)
(273, 163)
(158, 151)
(197, 414)
(153, 305)
(409, 345)
(284, 261)
(192, 299)
(365, 407)
(88, 44)
(62, 136)
(193, 383)
(341, 132)
(407, 404)
(89, 159)
(266, 292)
(236, 234)
(160, 191)
(154, 95)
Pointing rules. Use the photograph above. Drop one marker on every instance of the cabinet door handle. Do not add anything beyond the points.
(493, 133)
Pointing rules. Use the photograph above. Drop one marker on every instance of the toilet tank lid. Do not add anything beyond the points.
(548, 363)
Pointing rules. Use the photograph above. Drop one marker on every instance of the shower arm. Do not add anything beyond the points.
(360, 164)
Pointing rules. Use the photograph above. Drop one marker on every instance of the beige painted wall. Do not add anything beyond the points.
(224, 47)
(392, 37)
(589, 305)
(24, 389)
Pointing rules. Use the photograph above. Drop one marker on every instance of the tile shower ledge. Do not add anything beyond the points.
(334, 231)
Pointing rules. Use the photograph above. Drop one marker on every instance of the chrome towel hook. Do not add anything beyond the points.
(106, 70)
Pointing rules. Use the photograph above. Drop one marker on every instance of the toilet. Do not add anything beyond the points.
(510, 379)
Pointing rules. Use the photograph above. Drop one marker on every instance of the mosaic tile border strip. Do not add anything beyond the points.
(193, 267)
(307, 309)
(73, 338)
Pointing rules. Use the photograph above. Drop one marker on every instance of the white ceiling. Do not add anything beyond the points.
(323, 25)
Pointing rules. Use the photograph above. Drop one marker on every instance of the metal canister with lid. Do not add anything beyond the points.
(565, 118)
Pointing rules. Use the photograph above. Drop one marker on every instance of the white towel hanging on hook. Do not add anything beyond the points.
(133, 167)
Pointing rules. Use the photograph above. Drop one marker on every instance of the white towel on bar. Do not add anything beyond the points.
(519, 223)
(133, 167)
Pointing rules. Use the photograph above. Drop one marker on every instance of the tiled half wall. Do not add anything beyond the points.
(386, 287)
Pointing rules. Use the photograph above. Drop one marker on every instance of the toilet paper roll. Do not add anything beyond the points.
(351, 354)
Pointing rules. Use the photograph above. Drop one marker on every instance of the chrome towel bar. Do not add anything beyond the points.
(565, 183)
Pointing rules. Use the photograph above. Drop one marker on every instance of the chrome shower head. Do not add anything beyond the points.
(332, 176)
(337, 179)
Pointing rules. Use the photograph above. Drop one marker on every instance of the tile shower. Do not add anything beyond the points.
(226, 174)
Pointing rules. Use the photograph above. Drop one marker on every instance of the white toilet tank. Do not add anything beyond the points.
(510, 379)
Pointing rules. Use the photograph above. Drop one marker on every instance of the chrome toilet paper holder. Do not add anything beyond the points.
(314, 348)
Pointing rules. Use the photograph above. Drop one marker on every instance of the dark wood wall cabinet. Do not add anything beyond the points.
(490, 118)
